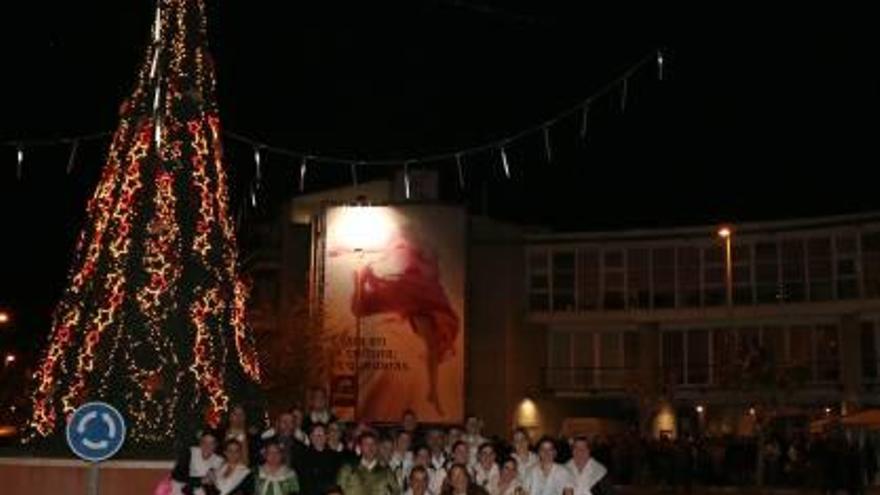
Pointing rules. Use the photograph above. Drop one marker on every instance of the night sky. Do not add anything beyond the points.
(763, 115)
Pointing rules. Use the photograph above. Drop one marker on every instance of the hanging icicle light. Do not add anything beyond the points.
(303, 167)
(253, 196)
(157, 134)
(19, 162)
(585, 119)
(548, 150)
(504, 163)
(406, 183)
(71, 162)
(623, 91)
(458, 165)
(258, 166)
(660, 65)
(155, 63)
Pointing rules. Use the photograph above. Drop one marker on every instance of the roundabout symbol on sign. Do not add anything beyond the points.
(96, 431)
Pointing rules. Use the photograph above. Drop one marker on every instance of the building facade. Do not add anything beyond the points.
(603, 331)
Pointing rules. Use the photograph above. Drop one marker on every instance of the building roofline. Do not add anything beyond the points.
(708, 231)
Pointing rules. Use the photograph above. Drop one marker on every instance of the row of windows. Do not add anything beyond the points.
(773, 271)
(755, 355)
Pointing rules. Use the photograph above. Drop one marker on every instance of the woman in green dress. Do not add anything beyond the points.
(274, 477)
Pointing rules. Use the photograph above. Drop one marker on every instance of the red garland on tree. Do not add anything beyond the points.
(152, 319)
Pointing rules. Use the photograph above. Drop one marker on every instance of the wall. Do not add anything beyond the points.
(29, 476)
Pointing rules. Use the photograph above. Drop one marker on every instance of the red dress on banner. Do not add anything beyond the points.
(413, 291)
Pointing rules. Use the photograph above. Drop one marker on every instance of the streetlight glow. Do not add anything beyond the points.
(701, 409)
(10, 358)
(4, 317)
(724, 232)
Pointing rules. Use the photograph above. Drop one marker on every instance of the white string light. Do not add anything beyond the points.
(585, 116)
(19, 155)
(504, 163)
(258, 166)
(157, 25)
(303, 167)
(155, 62)
(406, 183)
(548, 150)
(458, 165)
(253, 196)
(157, 134)
(660, 65)
(71, 162)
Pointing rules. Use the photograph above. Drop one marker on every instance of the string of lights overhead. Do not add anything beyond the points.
(304, 160)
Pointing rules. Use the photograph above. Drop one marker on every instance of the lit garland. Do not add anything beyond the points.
(153, 317)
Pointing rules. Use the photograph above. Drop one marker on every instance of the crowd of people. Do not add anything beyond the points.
(309, 452)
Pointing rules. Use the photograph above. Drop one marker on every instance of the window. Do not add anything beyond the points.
(560, 359)
(539, 281)
(766, 273)
(742, 275)
(673, 356)
(800, 346)
(584, 360)
(724, 354)
(610, 359)
(869, 351)
(827, 354)
(613, 279)
(871, 263)
(631, 350)
(664, 277)
(588, 279)
(846, 265)
(773, 343)
(638, 281)
(819, 268)
(794, 286)
(714, 276)
(697, 357)
(563, 281)
(689, 276)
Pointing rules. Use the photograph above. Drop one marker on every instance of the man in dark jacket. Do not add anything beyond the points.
(318, 468)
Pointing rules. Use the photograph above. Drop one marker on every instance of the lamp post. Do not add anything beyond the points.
(725, 233)
(4, 317)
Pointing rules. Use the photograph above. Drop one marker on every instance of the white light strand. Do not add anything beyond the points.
(504, 163)
(253, 196)
(585, 117)
(71, 162)
(460, 167)
(157, 134)
(155, 62)
(303, 168)
(157, 25)
(406, 183)
(258, 166)
(19, 155)
(548, 146)
(660, 65)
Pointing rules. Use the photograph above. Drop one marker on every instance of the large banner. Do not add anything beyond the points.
(393, 298)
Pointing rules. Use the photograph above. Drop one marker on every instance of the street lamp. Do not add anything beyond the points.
(4, 317)
(9, 360)
(725, 233)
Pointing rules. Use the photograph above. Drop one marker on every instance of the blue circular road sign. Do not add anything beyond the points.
(96, 431)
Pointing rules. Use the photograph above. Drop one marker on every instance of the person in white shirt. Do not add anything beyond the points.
(509, 482)
(436, 474)
(419, 482)
(547, 477)
(522, 451)
(474, 437)
(590, 476)
(460, 455)
(401, 458)
(437, 443)
(486, 472)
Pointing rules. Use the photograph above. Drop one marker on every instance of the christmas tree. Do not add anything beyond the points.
(152, 319)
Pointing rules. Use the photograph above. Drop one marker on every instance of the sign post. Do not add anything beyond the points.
(95, 433)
